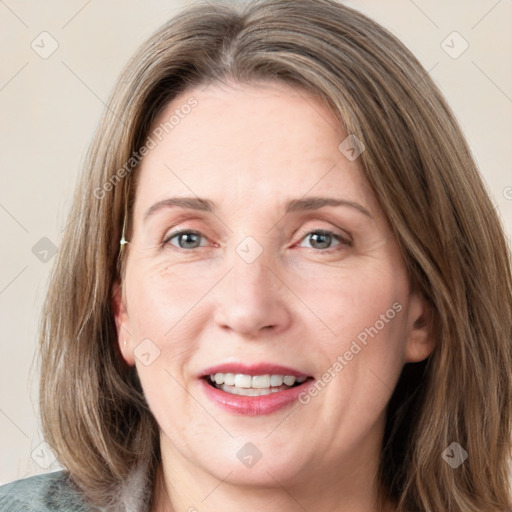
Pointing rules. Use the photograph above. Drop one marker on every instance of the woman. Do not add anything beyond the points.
(284, 286)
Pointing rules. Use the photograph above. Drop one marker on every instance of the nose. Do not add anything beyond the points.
(252, 299)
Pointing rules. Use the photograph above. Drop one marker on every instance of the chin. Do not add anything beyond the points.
(261, 462)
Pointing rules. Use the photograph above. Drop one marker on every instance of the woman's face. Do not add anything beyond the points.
(286, 267)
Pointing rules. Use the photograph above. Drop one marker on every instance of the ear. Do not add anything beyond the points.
(420, 337)
(124, 340)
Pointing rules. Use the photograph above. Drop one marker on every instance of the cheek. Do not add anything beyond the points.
(365, 310)
(368, 315)
(161, 311)
(162, 294)
(353, 299)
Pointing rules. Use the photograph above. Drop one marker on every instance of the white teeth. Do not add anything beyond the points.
(251, 391)
(229, 378)
(276, 380)
(241, 381)
(223, 378)
(261, 381)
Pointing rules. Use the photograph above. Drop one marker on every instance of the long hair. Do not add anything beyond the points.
(420, 168)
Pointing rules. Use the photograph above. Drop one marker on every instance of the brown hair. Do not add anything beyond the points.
(418, 163)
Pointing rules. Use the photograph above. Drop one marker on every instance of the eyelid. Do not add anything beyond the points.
(175, 228)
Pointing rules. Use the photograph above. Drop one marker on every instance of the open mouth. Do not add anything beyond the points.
(253, 385)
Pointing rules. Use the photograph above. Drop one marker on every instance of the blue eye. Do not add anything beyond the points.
(319, 240)
(186, 239)
(323, 239)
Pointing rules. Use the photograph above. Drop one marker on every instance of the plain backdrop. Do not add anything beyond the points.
(50, 105)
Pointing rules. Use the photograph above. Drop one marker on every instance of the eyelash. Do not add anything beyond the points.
(342, 241)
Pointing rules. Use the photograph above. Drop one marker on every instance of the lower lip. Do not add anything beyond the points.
(254, 405)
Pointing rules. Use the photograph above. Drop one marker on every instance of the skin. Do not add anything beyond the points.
(250, 149)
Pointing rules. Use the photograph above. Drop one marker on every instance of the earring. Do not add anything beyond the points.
(123, 240)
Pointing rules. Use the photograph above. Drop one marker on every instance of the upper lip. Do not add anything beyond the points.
(252, 369)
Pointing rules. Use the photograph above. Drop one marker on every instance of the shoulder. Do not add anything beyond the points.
(50, 492)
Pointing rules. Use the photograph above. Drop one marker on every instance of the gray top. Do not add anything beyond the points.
(50, 492)
(56, 492)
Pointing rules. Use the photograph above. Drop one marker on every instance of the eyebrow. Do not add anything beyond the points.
(191, 203)
(295, 205)
(314, 203)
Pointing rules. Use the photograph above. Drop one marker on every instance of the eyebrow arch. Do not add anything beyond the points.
(192, 203)
(296, 205)
(314, 203)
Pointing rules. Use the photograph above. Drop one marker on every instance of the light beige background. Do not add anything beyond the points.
(50, 107)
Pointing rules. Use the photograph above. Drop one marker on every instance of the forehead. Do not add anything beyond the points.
(268, 142)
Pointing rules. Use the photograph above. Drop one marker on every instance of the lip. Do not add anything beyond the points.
(252, 369)
(253, 405)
